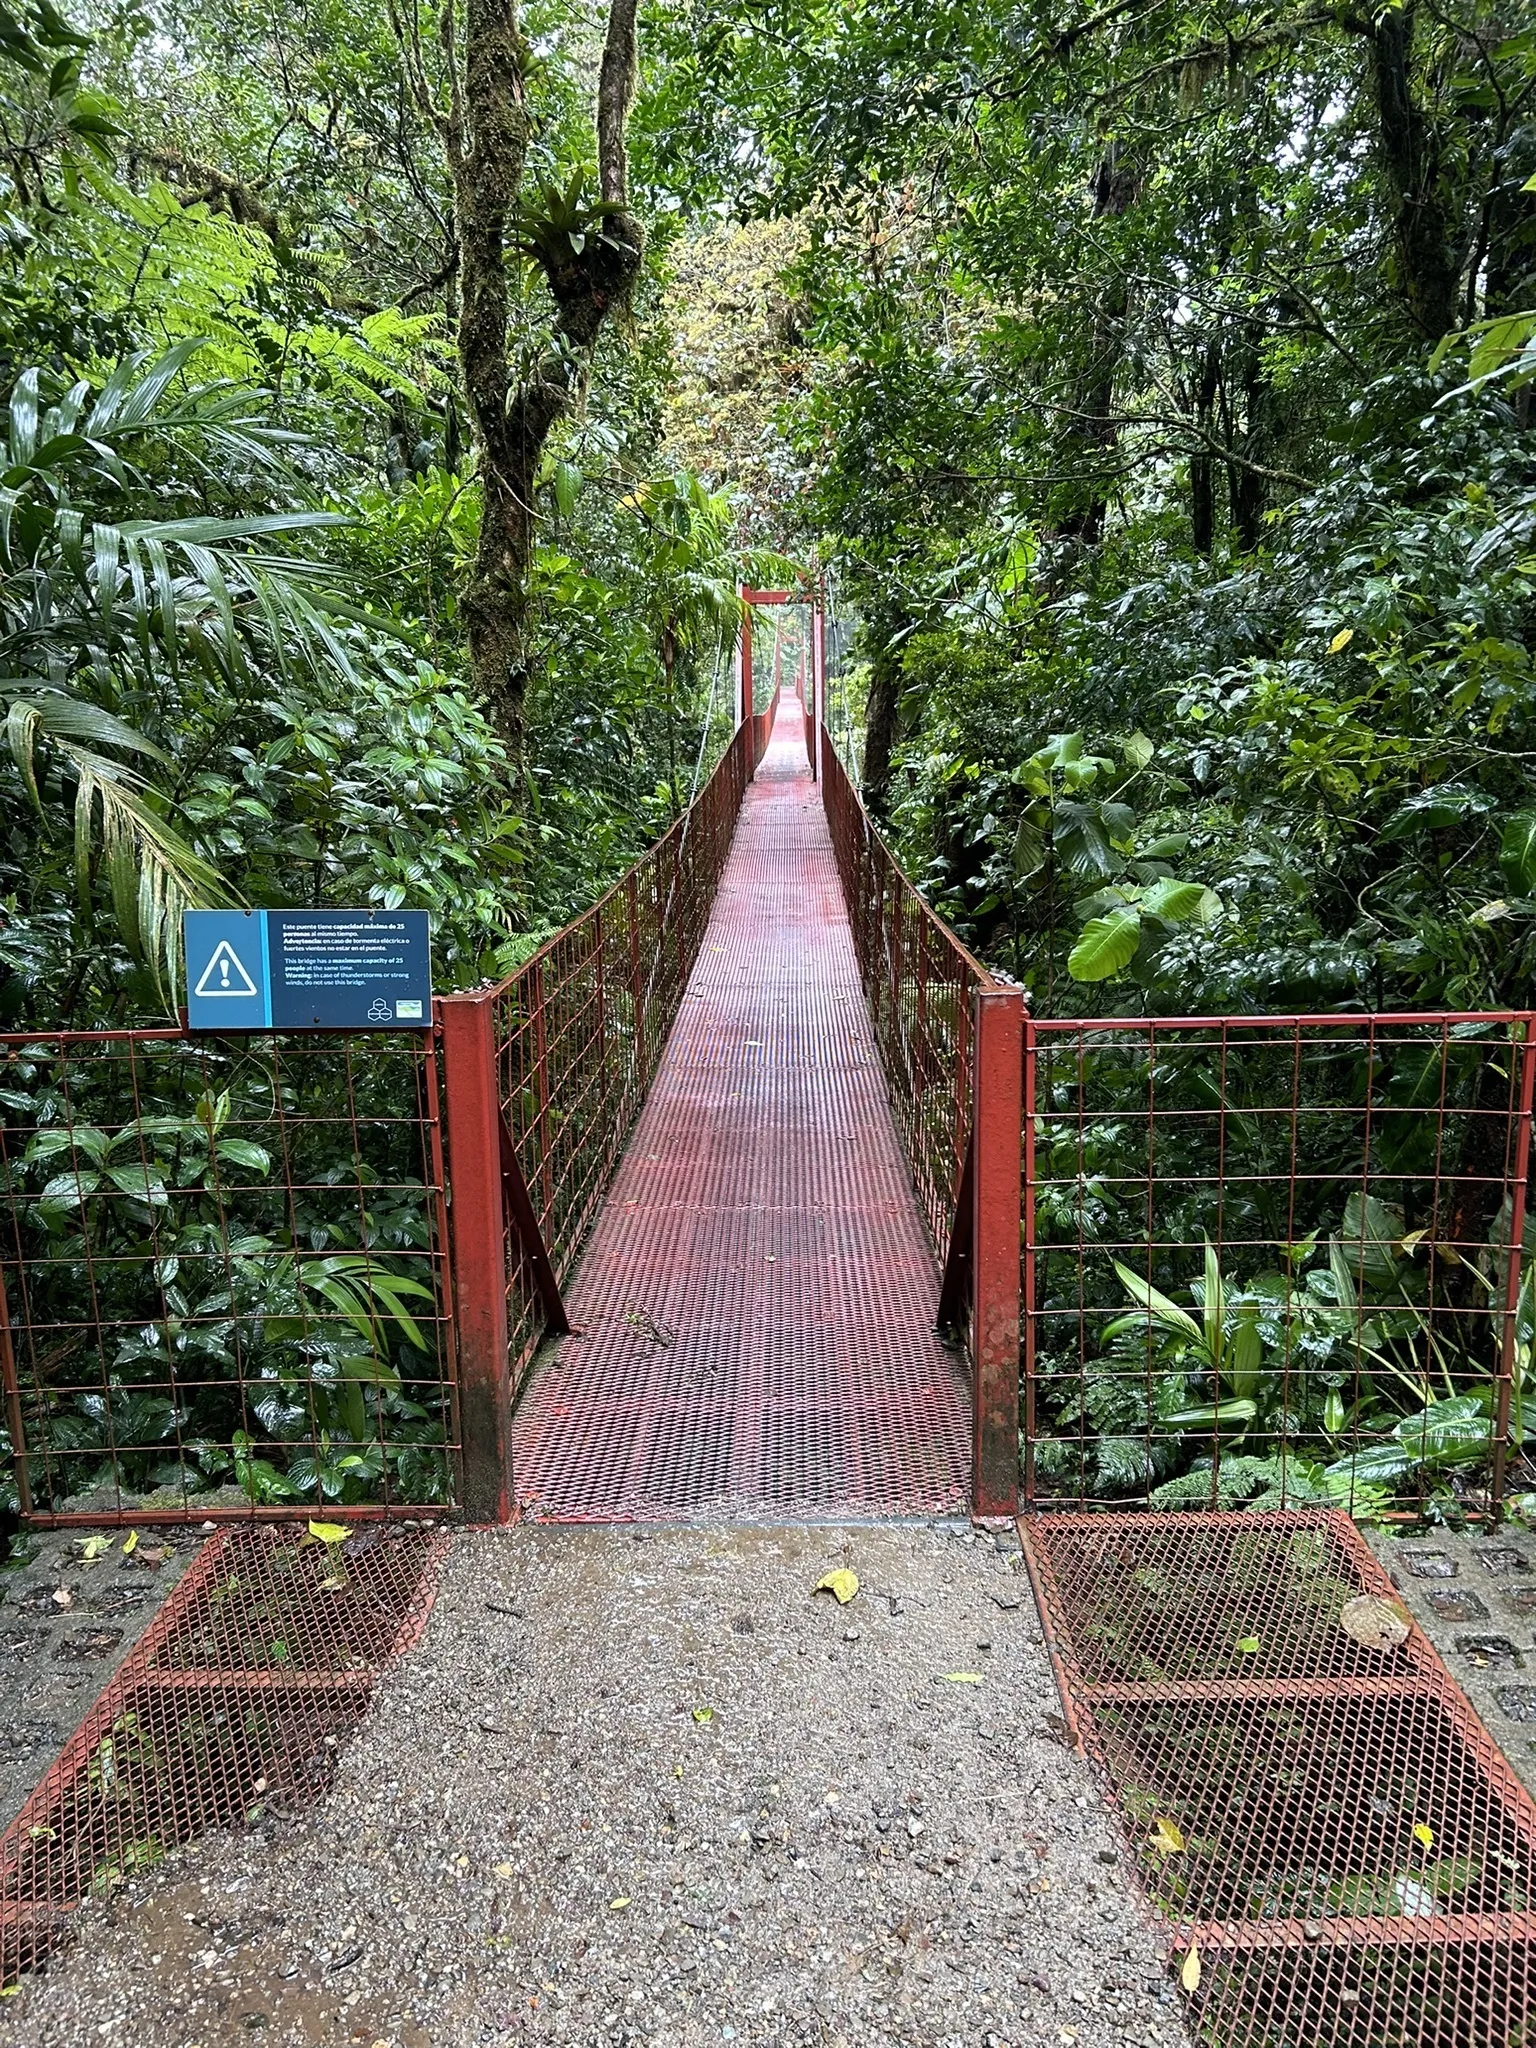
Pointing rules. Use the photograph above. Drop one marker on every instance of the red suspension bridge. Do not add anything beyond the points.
(818, 1216)
(753, 1195)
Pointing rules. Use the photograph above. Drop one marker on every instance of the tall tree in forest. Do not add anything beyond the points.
(587, 246)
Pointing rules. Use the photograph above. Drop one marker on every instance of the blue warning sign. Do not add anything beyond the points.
(308, 970)
(226, 953)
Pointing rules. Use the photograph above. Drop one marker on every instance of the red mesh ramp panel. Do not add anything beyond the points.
(234, 1704)
(1313, 1806)
(756, 1305)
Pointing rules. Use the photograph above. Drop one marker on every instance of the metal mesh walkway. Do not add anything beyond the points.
(755, 1310)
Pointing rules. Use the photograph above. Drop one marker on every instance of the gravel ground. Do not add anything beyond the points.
(642, 1787)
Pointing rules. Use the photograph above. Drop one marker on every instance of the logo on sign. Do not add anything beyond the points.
(225, 974)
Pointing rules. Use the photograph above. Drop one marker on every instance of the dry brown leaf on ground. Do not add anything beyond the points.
(1374, 1623)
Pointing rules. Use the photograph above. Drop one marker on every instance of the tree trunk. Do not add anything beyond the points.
(1094, 436)
(669, 666)
(881, 713)
(1202, 466)
(1427, 238)
(486, 129)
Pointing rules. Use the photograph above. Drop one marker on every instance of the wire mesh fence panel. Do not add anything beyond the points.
(223, 1281)
(231, 1712)
(580, 1027)
(1277, 1261)
(762, 728)
(1311, 1805)
(920, 984)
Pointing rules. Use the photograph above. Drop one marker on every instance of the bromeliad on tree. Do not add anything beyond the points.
(588, 249)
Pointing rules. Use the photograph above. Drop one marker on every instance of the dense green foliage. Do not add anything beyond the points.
(239, 508)
(1125, 424)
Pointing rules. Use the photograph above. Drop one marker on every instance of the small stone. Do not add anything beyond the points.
(1457, 1603)
(914, 1826)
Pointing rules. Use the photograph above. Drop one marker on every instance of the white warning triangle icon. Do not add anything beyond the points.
(225, 974)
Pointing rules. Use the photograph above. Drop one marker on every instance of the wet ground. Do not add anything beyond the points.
(72, 1605)
(1475, 1598)
(649, 1787)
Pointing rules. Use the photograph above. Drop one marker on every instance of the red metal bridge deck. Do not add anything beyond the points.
(755, 1310)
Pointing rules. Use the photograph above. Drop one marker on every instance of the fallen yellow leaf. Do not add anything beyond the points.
(503, 1870)
(617, 1905)
(703, 1715)
(1189, 1975)
(1340, 641)
(328, 1532)
(963, 1677)
(1166, 1838)
(130, 1542)
(841, 1584)
(1422, 1832)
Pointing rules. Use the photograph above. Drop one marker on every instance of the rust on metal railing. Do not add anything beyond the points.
(1357, 1183)
(545, 1073)
(950, 1040)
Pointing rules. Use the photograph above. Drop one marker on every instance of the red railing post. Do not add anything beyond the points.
(636, 978)
(1518, 1207)
(1027, 1233)
(472, 1105)
(747, 618)
(998, 1104)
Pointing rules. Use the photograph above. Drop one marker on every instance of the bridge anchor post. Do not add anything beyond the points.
(478, 1240)
(996, 1205)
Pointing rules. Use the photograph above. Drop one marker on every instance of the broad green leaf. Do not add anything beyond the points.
(241, 1152)
(1431, 810)
(1161, 1310)
(1028, 848)
(1517, 853)
(1181, 902)
(1210, 1415)
(1213, 1307)
(1105, 946)
(1245, 1353)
